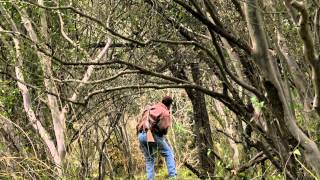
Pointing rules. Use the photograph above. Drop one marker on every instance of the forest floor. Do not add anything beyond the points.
(162, 174)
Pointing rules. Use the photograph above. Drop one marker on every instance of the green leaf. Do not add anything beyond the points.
(256, 102)
(209, 152)
(297, 152)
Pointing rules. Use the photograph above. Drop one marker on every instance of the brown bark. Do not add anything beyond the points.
(292, 12)
(202, 126)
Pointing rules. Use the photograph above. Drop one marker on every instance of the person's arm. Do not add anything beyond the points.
(164, 122)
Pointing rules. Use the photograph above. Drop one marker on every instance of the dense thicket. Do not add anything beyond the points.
(245, 76)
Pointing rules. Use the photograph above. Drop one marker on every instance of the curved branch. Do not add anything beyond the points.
(258, 37)
(88, 17)
(98, 81)
(259, 158)
(309, 51)
(219, 30)
(233, 77)
(305, 33)
(188, 86)
(37, 88)
(298, 77)
(291, 11)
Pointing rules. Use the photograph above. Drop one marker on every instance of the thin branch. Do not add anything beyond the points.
(65, 36)
(292, 12)
(88, 17)
(259, 158)
(238, 7)
(23, 132)
(100, 80)
(189, 86)
(305, 33)
(224, 99)
(179, 26)
(193, 170)
(213, 13)
(210, 54)
(228, 136)
(114, 45)
(232, 76)
(38, 88)
(309, 51)
(219, 30)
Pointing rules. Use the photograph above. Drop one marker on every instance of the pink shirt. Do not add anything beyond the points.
(159, 113)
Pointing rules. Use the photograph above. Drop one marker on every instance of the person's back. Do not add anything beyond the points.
(156, 118)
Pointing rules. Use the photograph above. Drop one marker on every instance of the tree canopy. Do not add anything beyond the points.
(244, 75)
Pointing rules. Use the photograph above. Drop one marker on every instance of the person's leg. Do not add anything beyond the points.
(166, 151)
(148, 150)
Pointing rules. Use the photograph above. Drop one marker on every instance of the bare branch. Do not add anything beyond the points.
(228, 136)
(292, 12)
(39, 89)
(36, 124)
(88, 17)
(305, 33)
(263, 59)
(309, 51)
(238, 7)
(316, 24)
(192, 86)
(298, 77)
(232, 76)
(258, 158)
(100, 80)
(31, 114)
(23, 132)
(193, 170)
(219, 30)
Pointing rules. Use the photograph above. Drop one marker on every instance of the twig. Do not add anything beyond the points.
(228, 136)
(193, 170)
(38, 88)
(260, 157)
(8, 120)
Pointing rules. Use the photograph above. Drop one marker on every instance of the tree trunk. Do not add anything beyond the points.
(277, 89)
(201, 127)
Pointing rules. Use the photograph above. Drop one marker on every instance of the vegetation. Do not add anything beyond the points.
(75, 75)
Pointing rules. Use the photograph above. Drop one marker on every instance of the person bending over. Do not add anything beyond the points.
(151, 129)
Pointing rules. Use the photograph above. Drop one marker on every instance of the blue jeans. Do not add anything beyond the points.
(149, 151)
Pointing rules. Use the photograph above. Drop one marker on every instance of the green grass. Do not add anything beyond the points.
(162, 174)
